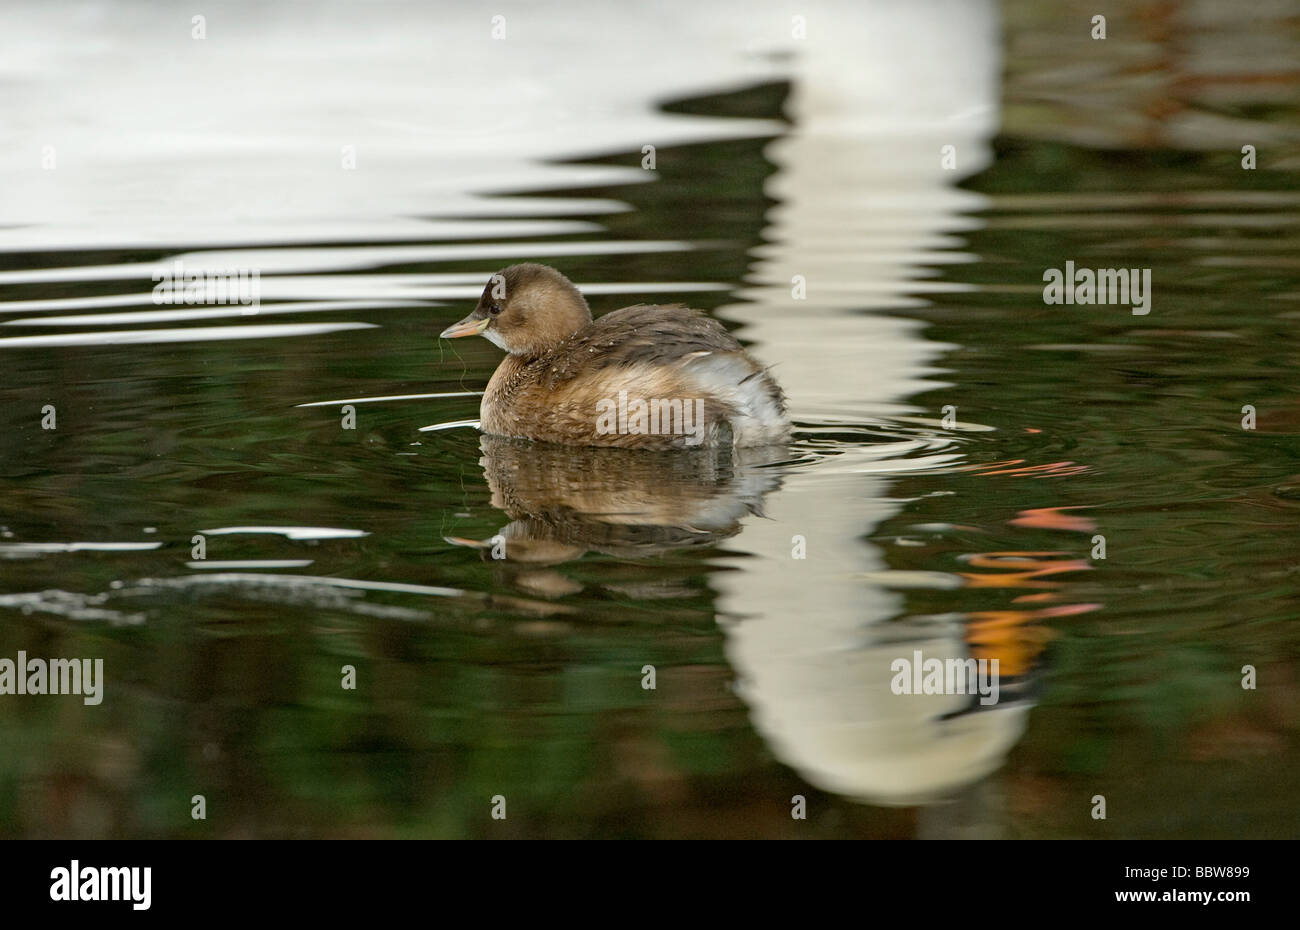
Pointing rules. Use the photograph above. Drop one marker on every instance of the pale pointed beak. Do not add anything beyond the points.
(470, 326)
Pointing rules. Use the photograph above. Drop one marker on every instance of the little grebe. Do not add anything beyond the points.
(654, 377)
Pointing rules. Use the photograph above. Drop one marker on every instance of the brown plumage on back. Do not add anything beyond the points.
(644, 377)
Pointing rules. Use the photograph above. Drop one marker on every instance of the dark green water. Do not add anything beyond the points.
(523, 677)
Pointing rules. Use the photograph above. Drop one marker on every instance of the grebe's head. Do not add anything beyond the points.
(526, 310)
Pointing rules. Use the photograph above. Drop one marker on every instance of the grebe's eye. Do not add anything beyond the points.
(494, 309)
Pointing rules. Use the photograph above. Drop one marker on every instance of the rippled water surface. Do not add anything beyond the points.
(770, 591)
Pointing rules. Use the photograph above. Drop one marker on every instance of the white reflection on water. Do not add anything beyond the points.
(193, 334)
(864, 205)
(34, 549)
(290, 532)
(263, 564)
(303, 582)
(450, 424)
(162, 139)
(340, 258)
(389, 398)
(197, 313)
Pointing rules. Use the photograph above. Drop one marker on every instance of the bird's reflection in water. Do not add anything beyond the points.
(566, 501)
(819, 687)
